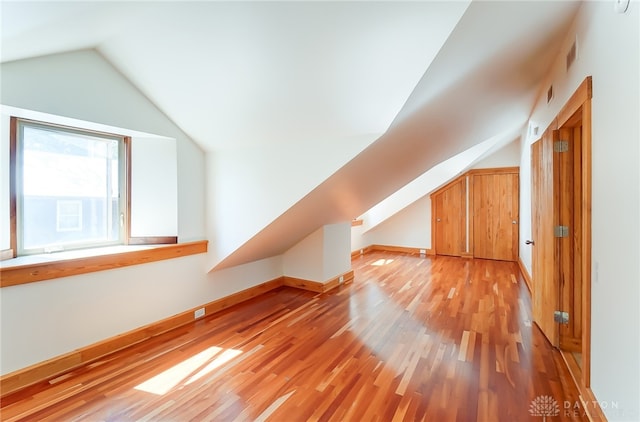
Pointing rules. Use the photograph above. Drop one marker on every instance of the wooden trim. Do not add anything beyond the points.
(583, 94)
(470, 218)
(494, 170)
(400, 249)
(155, 240)
(357, 222)
(13, 174)
(317, 286)
(13, 275)
(447, 185)
(389, 248)
(300, 283)
(590, 404)
(25, 377)
(361, 251)
(466, 255)
(127, 190)
(586, 239)
(526, 276)
(433, 200)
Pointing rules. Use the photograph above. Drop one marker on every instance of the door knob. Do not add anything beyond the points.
(529, 242)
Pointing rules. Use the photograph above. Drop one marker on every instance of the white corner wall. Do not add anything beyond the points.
(410, 227)
(305, 260)
(154, 187)
(507, 156)
(336, 249)
(64, 314)
(82, 85)
(5, 227)
(409, 221)
(271, 179)
(322, 255)
(609, 50)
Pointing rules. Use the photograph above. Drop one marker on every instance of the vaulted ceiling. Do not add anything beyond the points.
(423, 81)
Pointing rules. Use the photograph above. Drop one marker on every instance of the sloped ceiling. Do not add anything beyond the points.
(483, 83)
(425, 80)
(241, 74)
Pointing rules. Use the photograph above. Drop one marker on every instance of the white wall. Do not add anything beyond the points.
(507, 156)
(154, 187)
(608, 49)
(305, 260)
(336, 249)
(411, 227)
(5, 228)
(322, 255)
(269, 179)
(410, 224)
(45, 319)
(82, 85)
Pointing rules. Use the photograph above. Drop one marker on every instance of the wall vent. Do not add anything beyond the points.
(571, 55)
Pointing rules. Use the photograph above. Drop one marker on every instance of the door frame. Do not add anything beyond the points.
(578, 108)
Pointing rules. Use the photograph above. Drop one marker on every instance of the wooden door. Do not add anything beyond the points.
(568, 208)
(450, 220)
(495, 216)
(545, 289)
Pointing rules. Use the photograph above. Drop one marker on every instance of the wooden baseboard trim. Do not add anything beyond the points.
(317, 286)
(466, 255)
(390, 248)
(58, 365)
(588, 400)
(360, 252)
(525, 275)
(13, 275)
(401, 249)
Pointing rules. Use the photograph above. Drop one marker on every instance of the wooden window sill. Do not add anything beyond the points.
(29, 269)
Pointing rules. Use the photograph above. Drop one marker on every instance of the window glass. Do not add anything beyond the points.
(69, 195)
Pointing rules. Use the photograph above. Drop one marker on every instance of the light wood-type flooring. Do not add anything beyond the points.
(412, 338)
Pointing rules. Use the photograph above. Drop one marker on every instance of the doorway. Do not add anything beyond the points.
(561, 230)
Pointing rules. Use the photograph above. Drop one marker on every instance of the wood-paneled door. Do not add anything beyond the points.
(450, 219)
(495, 216)
(568, 214)
(543, 256)
(561, 231)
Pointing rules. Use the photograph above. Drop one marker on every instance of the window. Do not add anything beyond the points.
(69, 189)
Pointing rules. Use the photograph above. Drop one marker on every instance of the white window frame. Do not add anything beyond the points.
(122, 214)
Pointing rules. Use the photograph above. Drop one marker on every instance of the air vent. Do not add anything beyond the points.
(549, 94)
(571, 55)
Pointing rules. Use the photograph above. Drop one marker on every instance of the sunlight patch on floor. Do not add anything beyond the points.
(381, 262)
(193, 368)
(225, 357)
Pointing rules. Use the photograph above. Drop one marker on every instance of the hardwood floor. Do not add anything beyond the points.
(431, 339)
